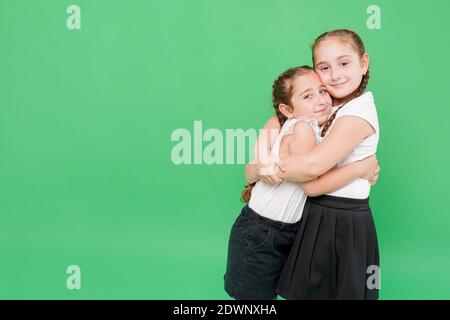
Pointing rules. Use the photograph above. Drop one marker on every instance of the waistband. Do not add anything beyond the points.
(271, 222)
(341, 203)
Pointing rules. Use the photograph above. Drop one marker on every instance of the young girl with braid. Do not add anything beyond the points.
(264, 232)
(336, 244)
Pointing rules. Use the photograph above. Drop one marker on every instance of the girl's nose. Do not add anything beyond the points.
(335, 76)
(320, 100)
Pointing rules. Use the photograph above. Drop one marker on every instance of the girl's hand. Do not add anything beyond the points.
(375, 177)
(267, 171)
(370, 169)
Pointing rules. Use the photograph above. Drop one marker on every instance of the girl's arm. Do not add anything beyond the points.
(337, 178)
(251, 173)
(262, 150)
(303, 141)
(347, 133)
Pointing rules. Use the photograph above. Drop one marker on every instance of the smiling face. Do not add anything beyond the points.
(340, 66)
(309, 98)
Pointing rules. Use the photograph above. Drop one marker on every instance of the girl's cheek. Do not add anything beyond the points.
(325, 78)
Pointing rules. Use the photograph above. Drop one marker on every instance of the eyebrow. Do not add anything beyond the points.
(305, 91)
(338, 58)
(310, 89)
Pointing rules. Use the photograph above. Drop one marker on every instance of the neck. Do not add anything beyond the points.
(337, 102)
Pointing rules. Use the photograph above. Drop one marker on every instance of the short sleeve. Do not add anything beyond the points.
(362, 107)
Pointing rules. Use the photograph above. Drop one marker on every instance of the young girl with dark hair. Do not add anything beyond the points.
(264, 232)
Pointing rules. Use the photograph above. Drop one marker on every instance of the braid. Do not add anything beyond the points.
(363, 85)
(357, 93)
(330, 120)
(279, 82)
(245, 196)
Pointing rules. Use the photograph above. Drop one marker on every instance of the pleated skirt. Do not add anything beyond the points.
(335, 254)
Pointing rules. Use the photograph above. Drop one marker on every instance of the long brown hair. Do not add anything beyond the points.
(356, 42)
(281, 94)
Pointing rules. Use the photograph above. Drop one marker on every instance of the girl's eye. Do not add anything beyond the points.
(308, 96)
(323, 91)
(323, 68)
(344, 63)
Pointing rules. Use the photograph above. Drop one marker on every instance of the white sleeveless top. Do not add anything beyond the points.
(285, 201)
(364, 108)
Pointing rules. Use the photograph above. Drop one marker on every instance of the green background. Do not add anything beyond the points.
(86, 118)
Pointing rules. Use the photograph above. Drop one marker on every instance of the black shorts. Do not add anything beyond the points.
(257, 250)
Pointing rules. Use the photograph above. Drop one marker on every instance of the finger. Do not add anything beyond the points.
(373, 180)
(281, 165)
(277, 180)
(264, 179)
(270, 179)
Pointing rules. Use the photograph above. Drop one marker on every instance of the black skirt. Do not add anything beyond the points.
(335, 253)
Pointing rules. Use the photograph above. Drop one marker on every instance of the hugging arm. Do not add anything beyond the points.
(262, 151)
(303, 141)
(346, 134)
(338, 178)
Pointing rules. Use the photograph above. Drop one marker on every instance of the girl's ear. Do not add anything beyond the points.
(365, 62)
(286, 110)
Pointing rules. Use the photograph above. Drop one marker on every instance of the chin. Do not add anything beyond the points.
(345, 92)
(341, 93)
(322, 120)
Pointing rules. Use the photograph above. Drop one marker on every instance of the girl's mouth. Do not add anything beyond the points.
(321, 111)
(338, 85)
